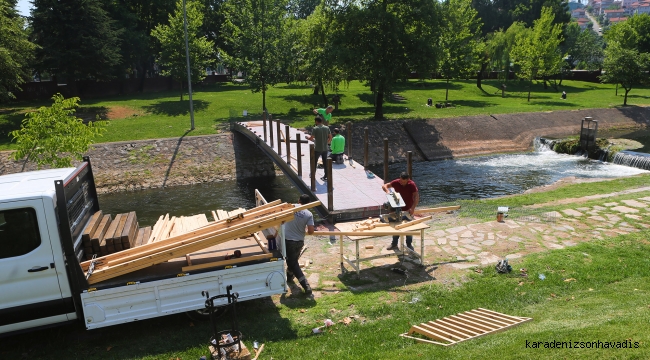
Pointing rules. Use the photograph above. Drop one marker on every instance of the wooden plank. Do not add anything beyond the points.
(222, 214)
(428, 333)
(465, 325)
(192, 246)
(139, 237)
(439, 330)
(117, 236)
(480, 324)
(423, 340)
(129, 225)
(110, 232)
(147, 234)
(461, 329)
(436, 209)
(260, 243)
(367, 233)
(203, 220)
(98, 234)
(157, 236)
(459, 334)
(515, 318)
(221, 225)
(413, 222)
(485, 319)
(195, 244)
(214, 216)
(228, 262)
(188, 259)
(156, 228)
(90, 228)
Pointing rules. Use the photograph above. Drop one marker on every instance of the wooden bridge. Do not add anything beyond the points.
(351, 192)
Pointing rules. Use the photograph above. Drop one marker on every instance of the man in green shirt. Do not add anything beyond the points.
(338, 146)
(321, 136)
(325, 113)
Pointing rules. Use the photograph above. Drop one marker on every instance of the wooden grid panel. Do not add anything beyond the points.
(463, 326)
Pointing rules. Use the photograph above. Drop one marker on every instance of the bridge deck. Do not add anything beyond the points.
(356, 196)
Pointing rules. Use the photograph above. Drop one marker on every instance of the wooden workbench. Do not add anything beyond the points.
(347, 229)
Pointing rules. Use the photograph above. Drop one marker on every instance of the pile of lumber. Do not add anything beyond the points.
(105, 235)
(243, 224)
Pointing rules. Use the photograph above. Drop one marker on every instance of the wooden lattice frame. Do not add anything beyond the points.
(463, 326)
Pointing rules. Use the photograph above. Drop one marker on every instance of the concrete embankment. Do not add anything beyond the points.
(134, 165)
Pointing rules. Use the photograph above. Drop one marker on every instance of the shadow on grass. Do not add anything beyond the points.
(310, 100)
(471, 103)
(10, 120)
(153, 338)
(381, 278)
(558, 103)
(90, 113)
(175, 108)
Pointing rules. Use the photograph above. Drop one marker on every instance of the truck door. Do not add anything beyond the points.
(29, 287)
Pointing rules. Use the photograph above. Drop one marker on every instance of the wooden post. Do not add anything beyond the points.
(277, 123)
(386, 161)
(264, 124)
(365, 148)
(271, 131)
(299, 154)
(409, 164)
(312, 166)
(287, 139)
(330, 188)
(349, 139)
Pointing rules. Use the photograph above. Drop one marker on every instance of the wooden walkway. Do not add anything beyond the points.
(355, 195)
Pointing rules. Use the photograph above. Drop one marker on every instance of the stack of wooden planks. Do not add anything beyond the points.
(241, 224)
(105, 235)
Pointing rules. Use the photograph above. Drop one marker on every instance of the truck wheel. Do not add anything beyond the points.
(204, 314)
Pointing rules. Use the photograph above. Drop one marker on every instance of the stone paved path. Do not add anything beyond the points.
(451, 246)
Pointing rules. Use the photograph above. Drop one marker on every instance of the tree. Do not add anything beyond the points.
(253, 30)
(501, 14)
(588, 50)
(54, 136)
(537, 52)
(459, 43)
(76, 39)
(16, 52)
(320, 65)
(499, 46)
(632, 34)
(171, 37)
(626, 67)
(383, 41)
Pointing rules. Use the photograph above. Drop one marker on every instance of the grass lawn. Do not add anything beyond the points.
(595, 291)
(161, 115)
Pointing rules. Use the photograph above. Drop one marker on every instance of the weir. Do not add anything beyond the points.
(632, 159)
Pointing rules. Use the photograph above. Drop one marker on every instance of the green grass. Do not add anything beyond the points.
(607, 301)
(161, 115)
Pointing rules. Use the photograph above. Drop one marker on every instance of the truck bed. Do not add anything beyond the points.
(174, 267)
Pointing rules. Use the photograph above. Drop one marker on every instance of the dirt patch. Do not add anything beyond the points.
(122, 112)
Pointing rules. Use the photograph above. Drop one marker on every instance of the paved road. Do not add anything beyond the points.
(596, 25)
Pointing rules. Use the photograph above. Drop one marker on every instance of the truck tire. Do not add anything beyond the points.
(204, 314)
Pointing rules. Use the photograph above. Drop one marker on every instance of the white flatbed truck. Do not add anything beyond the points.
(42, 216)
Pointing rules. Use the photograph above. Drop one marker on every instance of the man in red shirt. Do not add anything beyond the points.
(409, 192)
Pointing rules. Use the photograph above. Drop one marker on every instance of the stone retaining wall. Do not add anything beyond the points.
(134, 165)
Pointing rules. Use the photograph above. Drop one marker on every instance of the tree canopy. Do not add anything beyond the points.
(383, 41)
(172, 55)
(16, 52)
(54, 136)
(253, 31)
(76, 38)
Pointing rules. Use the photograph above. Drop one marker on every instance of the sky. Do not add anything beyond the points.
(23, 7)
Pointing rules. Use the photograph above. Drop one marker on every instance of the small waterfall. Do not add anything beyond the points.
(632, 159)
(541, 144)
(604, 154)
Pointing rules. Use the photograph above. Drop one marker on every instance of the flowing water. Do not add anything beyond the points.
(438, 181)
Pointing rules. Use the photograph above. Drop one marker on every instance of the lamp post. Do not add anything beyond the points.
(187, 57)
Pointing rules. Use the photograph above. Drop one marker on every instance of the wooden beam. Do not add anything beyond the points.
(367, 233)
(227, 262)
(138, 260)
(110, 272)
(436, 209)
(407, 224)
(163, 245)
(260, 243)
(91, 227)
